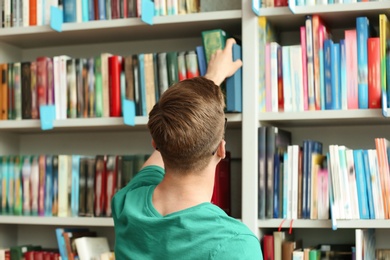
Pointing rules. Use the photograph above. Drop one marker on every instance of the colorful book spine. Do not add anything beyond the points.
(75, 194)
(352, 70)
(361, 184)
(287, 85)
(328, 53)
(336, 79)
(362, 34)
(49, 186)
(374, 73)
(201, 60)
(304, 66)
(213, 40)
(367, 176)
(310, 63)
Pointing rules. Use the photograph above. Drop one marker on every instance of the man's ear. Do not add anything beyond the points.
(221, 151)
(154, 145)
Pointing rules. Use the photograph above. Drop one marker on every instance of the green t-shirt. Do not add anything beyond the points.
(200, 232)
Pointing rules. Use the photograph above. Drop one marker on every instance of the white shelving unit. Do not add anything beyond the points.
(355, 129)
(92, 136)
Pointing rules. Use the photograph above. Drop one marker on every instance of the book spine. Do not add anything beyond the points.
(362, 27)
(26, 173)
(310, 63)
(17, 91)
(55, 185)
(343, 76)
(34, 180)
(42, 185)
(335, 72)
(75, 193)
(352, 68)
(234, 85)
(48, 208)
(304, 67)
(114, 85)
(374, 73)
(287, 92)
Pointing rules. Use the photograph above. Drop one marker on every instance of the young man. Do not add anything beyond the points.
(165, 211)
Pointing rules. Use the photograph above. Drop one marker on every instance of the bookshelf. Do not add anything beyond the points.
(92, 136)
(355, 129)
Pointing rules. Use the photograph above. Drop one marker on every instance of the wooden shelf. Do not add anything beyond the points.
(119, 30)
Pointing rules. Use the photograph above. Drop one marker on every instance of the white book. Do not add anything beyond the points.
(296, 75)
(294, 181)
(343, 173)
(352, 184)
(376, 184)
(26, 13)
(63, 183)
(287, 96)
(62, 87)
(336, 211)
(274, 46)
(289, 165)
(91, 247)
(39, 12)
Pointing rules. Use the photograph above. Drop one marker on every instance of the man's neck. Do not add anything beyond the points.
(178, 192)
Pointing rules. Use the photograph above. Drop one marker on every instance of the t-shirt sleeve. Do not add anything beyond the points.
(242, 247)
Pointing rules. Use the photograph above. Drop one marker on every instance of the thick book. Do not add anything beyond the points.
(115, 68)
(234, 85)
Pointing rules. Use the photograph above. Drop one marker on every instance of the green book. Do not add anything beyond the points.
(213, 40)
(173, 68)
(98, 87)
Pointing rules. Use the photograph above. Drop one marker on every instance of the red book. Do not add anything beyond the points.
(42, 82)
(268, 247)
(111, 173)
(115, 10)
(29, 255)
(374, 73)
(115, 68)
(38, 255)
(221, 193)
(125, 9)
(100, 186)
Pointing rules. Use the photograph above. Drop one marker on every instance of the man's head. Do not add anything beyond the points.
(187, 124)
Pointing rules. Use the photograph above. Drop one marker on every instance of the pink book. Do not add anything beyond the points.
(351, 62)
(268, 91)
(304, 68)
(323, 194)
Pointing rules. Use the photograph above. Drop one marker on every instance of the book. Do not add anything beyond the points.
(90, 247)
(234, 85)
(213, 40)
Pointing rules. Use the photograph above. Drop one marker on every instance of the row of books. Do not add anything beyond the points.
(98, 86)
(20, 13)
(303, 182)
(280, 245)
(75, 185)
(280, 3)
(29, 252)
(64, 185)
(321, 73)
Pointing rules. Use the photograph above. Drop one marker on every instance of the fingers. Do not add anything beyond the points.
(229, 44)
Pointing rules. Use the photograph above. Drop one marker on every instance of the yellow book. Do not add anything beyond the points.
(384, 36)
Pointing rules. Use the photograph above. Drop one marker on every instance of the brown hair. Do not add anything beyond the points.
(187, 124)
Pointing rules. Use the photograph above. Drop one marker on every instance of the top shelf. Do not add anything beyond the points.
(334, 15)
(325, 118)
(119, 30)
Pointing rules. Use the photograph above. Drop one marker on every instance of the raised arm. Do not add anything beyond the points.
(221, 66)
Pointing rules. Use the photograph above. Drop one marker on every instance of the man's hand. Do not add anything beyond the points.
(221, 64)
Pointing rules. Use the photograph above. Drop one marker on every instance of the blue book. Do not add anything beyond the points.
(69, 11)
(328, 47)
(362, 34)
(49, 185)
(322, 76)
(285, 185)
(75, 194)
(201, 60)
(102, 9)
(85, 10)
(234, 85)
(336, 79)
(276, 184)
(343, 76)
(370, 197)
(387, 95)
(61, 240)
(91, 10)
(142, 85)
(361, 184)
(10, 191)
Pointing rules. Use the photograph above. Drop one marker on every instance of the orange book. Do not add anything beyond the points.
(383, 168)
(3, 92)
(33, 12)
